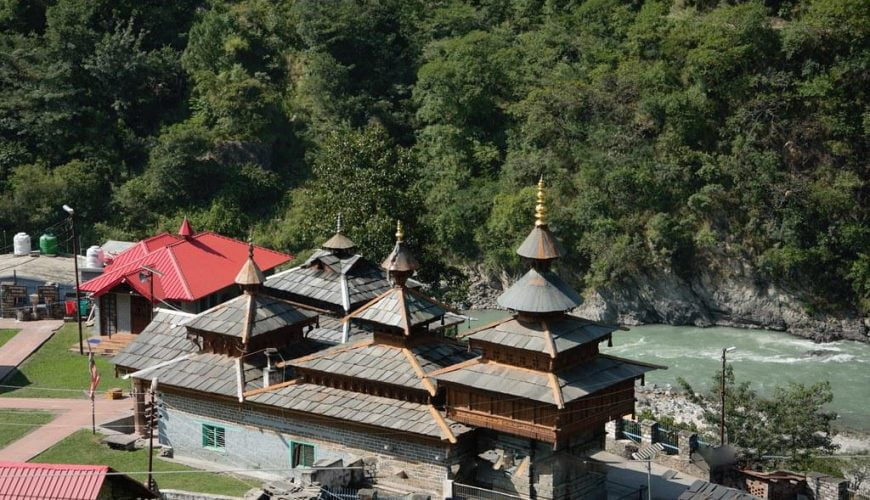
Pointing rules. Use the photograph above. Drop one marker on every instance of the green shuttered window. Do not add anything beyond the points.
(213, 437)
(301, 455)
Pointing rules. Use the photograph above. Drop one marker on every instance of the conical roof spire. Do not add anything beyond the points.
(338, 241)
(400, 259)
(540, 244)
(250, 275)
(186, 229)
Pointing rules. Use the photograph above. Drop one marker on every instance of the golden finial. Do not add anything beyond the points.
(540, 208)
(400, 233)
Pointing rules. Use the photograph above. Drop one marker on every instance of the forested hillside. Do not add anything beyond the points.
(674, 134)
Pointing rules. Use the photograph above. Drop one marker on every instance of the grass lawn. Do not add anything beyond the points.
(17, 423)
(5, 335)
(54, 366)
(85, 448)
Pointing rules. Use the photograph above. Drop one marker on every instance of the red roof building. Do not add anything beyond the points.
(20, 480)
(191, 271)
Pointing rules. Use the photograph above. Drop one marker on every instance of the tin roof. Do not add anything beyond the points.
(567, 385)
(338, 241)
(540, 292)
(20, 480)
(192, 267)
(548, 335)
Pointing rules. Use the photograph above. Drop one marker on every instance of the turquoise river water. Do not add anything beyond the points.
(765, 358)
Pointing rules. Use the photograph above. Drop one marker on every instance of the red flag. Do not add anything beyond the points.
(95, 375)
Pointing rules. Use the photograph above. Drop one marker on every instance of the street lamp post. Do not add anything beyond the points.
(722, 413)
(72, 221)
(148, 273)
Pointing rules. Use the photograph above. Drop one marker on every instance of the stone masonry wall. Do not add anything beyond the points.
(261, 440)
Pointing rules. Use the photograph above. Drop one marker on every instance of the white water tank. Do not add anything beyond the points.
(94, 257)
(21, 244)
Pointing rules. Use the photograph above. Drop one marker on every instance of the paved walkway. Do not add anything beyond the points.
(72, 415)
(32, 335)
(627, 475)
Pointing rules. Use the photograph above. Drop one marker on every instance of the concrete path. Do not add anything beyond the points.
(624, 476)
(31, 336)
(72, 415)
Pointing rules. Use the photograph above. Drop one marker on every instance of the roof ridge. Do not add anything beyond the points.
(403, 307)
(633, 361)
(418, 370)
(548, 339)
(367, 305)
(250, 317)
(486, 326)
(458, 366)
(557, 390)
(177, 267)
(442, 424)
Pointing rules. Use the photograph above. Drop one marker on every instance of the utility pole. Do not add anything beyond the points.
(72, 221)
(151, 436)
(722, 413)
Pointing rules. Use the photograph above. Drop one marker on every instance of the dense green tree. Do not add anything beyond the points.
(674, 135)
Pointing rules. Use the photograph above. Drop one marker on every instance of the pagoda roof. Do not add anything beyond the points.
(540, 292)
(250, 315)
(328, 278)
(338, 241)
(402, 308)
(388, 364)
(552, 388)
(549, 335)
(360, 408)
(540, 244)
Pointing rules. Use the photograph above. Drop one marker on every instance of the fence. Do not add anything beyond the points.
(468, 492)
(669, 439)
(349, 494)
(631, 430)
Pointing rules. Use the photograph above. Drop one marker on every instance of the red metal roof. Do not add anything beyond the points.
(28, 481)
(192, 267)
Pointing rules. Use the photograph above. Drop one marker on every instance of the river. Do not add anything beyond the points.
(765, 358)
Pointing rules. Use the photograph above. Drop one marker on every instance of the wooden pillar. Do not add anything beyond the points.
(139, 423)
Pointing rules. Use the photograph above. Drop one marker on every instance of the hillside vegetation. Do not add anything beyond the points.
(674, 134)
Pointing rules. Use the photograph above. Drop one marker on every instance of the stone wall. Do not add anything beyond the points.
(260, 440)
(533, 469)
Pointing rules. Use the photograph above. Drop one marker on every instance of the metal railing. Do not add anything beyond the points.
(468, 492)
(669, 439)
(631, 430)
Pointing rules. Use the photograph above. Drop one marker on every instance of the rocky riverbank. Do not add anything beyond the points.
(672, 402)
(734, 297)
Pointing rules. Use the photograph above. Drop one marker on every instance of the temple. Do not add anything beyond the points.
(540, 392)
(341, 365)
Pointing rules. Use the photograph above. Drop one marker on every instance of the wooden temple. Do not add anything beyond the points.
(540, 374)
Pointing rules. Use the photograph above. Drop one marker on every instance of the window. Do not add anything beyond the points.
(213, 437)
(301, 455)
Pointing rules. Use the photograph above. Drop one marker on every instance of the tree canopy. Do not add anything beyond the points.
(674, 133)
